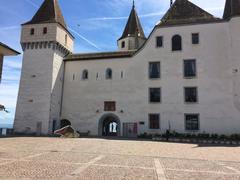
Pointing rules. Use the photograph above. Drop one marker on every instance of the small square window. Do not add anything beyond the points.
(159, 41)
(195, 38)
(110, 106)
(154, 121)
(45, 30)
(191, 94)
(190, 68)
(155, 95)
(154, 70)
(32, 31)
(192, 122)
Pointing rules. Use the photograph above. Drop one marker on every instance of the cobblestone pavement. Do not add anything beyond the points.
(105, 159)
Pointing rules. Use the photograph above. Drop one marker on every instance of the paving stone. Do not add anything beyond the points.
(111, 173)
(128, 161)
(70, 157)
(234, 165)
(195, 165)
(57, 158)
(178, 175)
(35, 169)
(16, 155)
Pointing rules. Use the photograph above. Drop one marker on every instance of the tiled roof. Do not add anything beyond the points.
(185, 12)
(101, 55)
(49, 12)
(133, 26)
(232, 8)
(10, 50)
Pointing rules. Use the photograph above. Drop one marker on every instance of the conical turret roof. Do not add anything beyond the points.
(133, 26)
(49, 12)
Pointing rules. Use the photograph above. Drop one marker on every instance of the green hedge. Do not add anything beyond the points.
(192, 136)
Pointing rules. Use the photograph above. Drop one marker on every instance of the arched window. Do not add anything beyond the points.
(176, 43)
(85, 74)
(109, 73)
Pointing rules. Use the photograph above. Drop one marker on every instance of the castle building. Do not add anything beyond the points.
(185, 76)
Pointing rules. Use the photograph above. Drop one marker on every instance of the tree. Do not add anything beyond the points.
(2, 108)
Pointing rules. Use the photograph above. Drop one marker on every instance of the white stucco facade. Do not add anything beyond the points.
(217, 104)
(59, 91)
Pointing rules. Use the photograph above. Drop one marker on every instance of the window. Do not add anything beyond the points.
(66, 38)
(32, 31)
(85, 75)
(176, 43)
(45, 30)
(154, 70)
(110, 106)
(195, 38)
(192, 122)
(155, 95)
(121, 74)
(159, 41)
(123, 44)
(190, 68)
(109, 73)
(191, 94)
(154, 121)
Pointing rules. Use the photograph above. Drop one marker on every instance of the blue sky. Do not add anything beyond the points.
(96, 25)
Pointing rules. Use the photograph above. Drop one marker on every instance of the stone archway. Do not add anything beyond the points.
(109, 125)
(64, 123)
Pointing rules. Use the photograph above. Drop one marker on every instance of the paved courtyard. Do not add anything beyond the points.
(105, 159)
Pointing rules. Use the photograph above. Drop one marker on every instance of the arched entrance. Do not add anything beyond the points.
(64, 123)
(109, 125)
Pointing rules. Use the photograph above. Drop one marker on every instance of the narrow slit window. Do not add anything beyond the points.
(109, 73)
(123, 44)
(85, 75)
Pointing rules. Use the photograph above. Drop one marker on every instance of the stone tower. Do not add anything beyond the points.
(232, 15)
(45, 42)
(133, 35)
